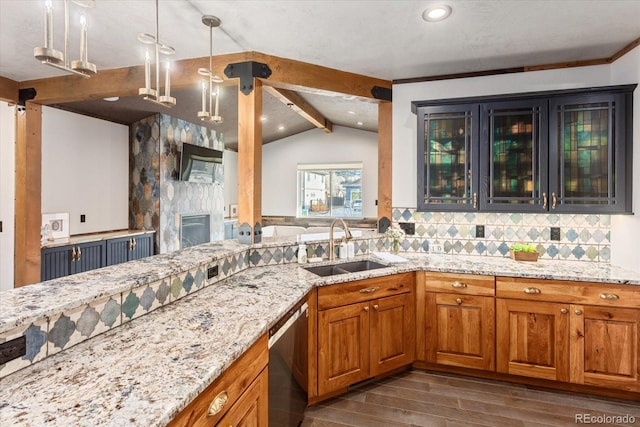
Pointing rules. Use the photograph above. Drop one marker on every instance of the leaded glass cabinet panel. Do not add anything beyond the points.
(588, 149)
(513, 152)
(447, 158)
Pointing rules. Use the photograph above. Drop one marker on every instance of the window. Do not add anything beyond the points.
(330, 190)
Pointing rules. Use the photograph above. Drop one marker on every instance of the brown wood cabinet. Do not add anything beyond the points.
(458, 326)
(365, 329)
(238, 397)
(579, 332)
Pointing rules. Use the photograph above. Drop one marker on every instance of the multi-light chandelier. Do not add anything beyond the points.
(147, 91)
(55, 58)
(211, 114)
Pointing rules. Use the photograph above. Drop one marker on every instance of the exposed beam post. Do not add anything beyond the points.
(28, 195)
(384, 165)
(9, 90)
(250, 164)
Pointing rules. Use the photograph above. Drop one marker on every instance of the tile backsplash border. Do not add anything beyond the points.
(583, 237)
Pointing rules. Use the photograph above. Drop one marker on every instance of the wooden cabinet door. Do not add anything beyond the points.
(392, 338)
(533, 339)
(604, 347)
(343, 346)
(460, 330)
(252, 407)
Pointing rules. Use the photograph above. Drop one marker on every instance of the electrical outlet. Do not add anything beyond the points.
(479, 231)
(555, 233)
(409, 228)
(212, 272)
(436, 248)
(83, 218)
(13, 349)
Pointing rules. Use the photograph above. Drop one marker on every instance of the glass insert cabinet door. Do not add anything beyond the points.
(590, 167)
(513, 150)
(446, 157)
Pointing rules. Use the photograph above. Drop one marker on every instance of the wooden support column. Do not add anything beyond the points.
(250, 165)
(28, 199)
(384, 165)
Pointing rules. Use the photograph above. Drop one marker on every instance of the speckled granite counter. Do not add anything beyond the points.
(145, 371)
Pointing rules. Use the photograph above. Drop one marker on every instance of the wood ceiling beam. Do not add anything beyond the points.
(302, 107)
(9, 90)
(286, 74)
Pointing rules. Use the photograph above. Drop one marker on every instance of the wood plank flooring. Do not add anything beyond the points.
(418, 398)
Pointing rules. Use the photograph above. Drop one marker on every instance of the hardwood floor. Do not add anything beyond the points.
(417, 398)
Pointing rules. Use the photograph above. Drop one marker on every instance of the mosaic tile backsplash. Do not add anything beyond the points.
(583, 237)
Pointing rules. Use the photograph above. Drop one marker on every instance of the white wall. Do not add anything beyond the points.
(7, 193)
(625, 70)
(625, 230)
(85, 170)
(280, 160)
(230, 166)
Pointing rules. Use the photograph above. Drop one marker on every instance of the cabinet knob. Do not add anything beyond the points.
(218, 403)
(375, 307)
(544, 201)
(458, 301)
(578, 312)
(366, 308)
(459, 285)
(532, 291)
(608, 296)
(564, 311)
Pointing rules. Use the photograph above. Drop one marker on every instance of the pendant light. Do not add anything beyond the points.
(211, 114)
(147, 91)
(55, 58)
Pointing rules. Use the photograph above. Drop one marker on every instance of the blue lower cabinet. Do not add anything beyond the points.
(71, 259)
(123, 249)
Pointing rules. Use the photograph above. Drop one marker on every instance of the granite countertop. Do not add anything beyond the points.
(93, 237)
(147, 370)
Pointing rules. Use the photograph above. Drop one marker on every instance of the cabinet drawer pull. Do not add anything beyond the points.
(475, 200)
(218, 403)
(544, 201)
(532, 291)
(369, 290)
(458, 301)
(78, 254)
(459, 285)
(554, 200)
(74, 257)
(134, 243)
(609, 296)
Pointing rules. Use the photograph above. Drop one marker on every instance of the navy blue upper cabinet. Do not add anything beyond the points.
(565, 151)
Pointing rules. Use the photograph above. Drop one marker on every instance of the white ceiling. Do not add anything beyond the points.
(384, 39)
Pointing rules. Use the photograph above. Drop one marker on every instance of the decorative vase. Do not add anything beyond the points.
(396, 246)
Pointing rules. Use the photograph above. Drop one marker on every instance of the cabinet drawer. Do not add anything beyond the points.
(472, 284)
(568, 292)
(364, 290)
(227, 389)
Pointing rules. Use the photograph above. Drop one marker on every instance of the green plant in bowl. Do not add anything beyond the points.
(523, 247)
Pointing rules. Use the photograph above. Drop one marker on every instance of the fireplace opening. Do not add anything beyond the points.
(194, 230)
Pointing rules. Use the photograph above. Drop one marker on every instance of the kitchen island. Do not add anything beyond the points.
(145, 371)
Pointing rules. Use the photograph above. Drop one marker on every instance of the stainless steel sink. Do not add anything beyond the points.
(344, 268)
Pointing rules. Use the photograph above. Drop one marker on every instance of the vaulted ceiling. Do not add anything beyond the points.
(383, 39)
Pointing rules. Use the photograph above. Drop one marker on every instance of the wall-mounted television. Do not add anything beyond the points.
(200, 164)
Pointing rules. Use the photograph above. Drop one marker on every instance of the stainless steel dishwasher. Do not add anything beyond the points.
(288, 367)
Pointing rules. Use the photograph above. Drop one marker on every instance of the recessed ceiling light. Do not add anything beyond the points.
(263, 118)
(281, 127)
(360, 124)
(436, 13)
(351, 112)
(112, 98)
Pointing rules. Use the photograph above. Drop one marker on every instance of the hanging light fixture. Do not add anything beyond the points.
(55, 58)
(147, 91)
(211, 114)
